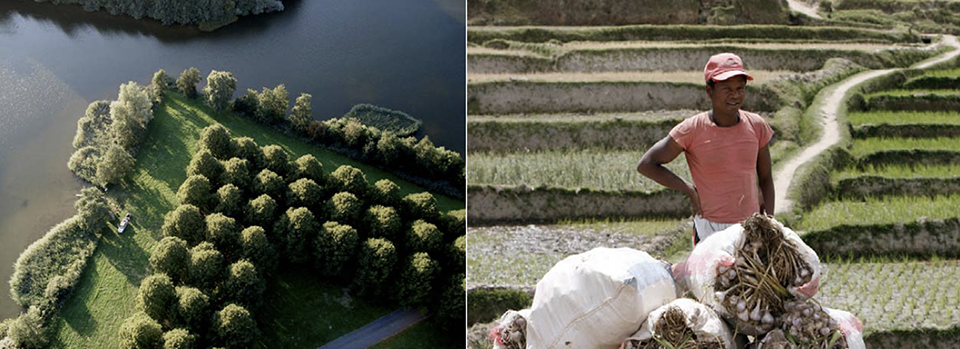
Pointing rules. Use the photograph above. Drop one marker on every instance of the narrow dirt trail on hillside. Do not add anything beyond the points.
(783, 178)
(804, 8)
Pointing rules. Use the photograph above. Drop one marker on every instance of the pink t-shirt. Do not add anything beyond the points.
(723, 163)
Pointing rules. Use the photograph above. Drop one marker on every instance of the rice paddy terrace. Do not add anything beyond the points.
(559, 117)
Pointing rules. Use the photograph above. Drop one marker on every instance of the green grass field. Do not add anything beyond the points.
(415, 337)
(899, 171)
(901, 93)
(870, 145)
(946, 73)
(905, 118)
(879, 211)
(613, 170)
(105, 295)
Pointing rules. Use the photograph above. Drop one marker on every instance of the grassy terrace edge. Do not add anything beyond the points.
(105, 295)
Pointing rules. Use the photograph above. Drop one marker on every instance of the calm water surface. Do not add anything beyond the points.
(401, 54)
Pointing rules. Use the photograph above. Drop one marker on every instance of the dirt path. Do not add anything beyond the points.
(376, 331)
(804, 8)
(831, 134)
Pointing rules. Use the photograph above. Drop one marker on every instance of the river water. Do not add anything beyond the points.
(407, 55)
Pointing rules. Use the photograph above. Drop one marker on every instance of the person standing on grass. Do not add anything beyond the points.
(726, 149)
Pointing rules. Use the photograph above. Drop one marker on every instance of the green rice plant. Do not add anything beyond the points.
(899, 171)
(912, 93)
(885, 210)
(607, 170)
(870, 145)
(905, 117)
(945, 73)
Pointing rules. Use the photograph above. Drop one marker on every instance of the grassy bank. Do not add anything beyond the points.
(105, 295)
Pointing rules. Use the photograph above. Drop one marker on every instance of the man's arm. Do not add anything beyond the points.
(765, 177)
(651, 165)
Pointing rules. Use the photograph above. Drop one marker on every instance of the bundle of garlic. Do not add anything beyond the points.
(684, 323)
(510, 332)
(806, 324)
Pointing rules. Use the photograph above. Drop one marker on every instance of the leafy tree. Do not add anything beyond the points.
(92, 209)
(386, 193)
(344, 207)
(247, 104)
(335, 246)
(273, 105)
(203, 163)
(229, 200)
(217, 140)
(296, 228)
(171, 257)
(236, 171)
(456, 259)
(452, 302)
(179, 338)
(224, 233)
(426, 155)
(236, 327)
(246, 148)
(185, 222)
(92, 127)
(84, 162)
(195, 191)
(375, 260)
(260, 211)
(354, 133)
(454, 224)
(28, 331)
(304, 192)
(192, 305)
(423, 237)
(136, 100)
(158, 84)
(219, 90)
(140, 332)
(187, 82)
(383, 222)
(309, 167)
(114, 165)
(276, 159)
(157, 297)
(257, 249)
(244, 285)
(389, 149)
(206, 266)
(269, 183)
(420, 206)
(416, 276)
(302, 113)
(125, 129)
(349, 178)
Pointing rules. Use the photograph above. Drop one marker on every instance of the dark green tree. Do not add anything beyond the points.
(309, 167)
(260, 211)
(420, 206)
(247, 104)
(415, 280)
(452, 302)
(229, 200)
(157, 297)
(304, 192)
(456, 259)
(114, 165)
(243, 285)
(203, 163)
(383, 222)
(344, 207)
(192, 305)
(195, 191)
(270, 183)
(92, 210)
(454, 224)
(216, 139)
(423, 237)
(302, 113)
(258, 249)
(219, 90)
(206, 266)
(273, 105)
(246, 148)
(140, 332)
(386, 193)
(335, 247)
(236, 327)
(171, 257)
(187, 223)
(236, 171)
(349, 178)
(296, 228)
(375, 261)
(187, 82)
(224, 233)
(179, 338)
(276, 159)
(158, 85)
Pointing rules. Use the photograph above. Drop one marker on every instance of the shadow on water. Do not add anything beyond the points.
(73, 19)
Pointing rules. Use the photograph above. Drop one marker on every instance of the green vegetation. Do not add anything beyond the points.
(610, 170)
(398, 122)
(912, 93)
(879, 211)
(105, 294)
(905, 117)
(420, 334)
(208, 15)
(900, 171)
(938, 16)
(871, 145)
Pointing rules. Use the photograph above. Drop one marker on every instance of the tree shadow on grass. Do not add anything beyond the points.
(124, 254)
(77, 316)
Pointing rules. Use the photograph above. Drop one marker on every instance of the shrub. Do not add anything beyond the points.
(187, 223)
(158, 84)
(203, 163)
(375, 261)
(304, 192)
(454, 224)
(192, 307)
(195, 191)
(344, 207)
(206, 266)
(335, 247)
(229, 200)
(84, 162)
(28, 331)
(276, 159)
(420, 206)
(224, 233)
(92, 210)
(296, 228)
(383, 222)
(178, 338)
(309, 167)
(246, 148)
(140, 332)
(114, 165)
(187, 82)
(260, 211)
(157, 297)
(456, 260)
(219, 90)
(247, 104)
(386, 193)
(171, 257)
(416, 276)
(423, 237)
(302, 113)
(236, 327)
(236, 171)
(269, 183)
(62, 251)
(258, 249)
(453, 302)
(243, 285)
(349, 178)
(216, 139)
(273, 105)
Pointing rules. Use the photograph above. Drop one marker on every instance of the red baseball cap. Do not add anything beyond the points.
(724, 66)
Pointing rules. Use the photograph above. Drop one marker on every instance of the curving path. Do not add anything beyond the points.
(783, 178)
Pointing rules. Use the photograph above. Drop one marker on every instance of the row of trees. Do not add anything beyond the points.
(246, 209)
(178, 11)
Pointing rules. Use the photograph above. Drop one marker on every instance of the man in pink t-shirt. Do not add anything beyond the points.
(726, 149)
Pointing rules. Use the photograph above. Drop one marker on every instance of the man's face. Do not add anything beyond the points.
(728, 95)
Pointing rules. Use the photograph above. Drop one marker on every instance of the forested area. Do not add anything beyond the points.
(178, 11)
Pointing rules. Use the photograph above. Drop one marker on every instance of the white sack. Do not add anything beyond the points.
(850, 326)
(700, 318)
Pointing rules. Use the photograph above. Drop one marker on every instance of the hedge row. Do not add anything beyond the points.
(905, 131)
(920, 101)
(872, 186)
(912, 157)
(932, 83)
(923, 238)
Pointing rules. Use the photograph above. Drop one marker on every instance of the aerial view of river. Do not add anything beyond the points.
(405, 55)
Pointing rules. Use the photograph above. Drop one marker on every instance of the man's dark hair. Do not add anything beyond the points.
(711, 83)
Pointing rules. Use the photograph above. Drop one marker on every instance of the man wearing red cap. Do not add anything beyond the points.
(726, 149)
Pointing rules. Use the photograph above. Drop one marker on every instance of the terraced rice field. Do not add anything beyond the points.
(900, 171)
(876, 211)
(905, 118)
(759, 76)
